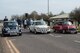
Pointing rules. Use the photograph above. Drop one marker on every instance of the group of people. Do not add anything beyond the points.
(25, 22)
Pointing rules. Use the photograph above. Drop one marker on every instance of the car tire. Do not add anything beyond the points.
(2, 34)
(54, 30)
(30, 30)
(75, 32)
(20, 34)
(35, 31)
(63, 31)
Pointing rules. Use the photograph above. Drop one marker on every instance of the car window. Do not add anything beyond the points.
(10, 24)
(68, 23)
(39, 23)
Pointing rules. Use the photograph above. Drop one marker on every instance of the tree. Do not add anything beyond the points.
(44, 16)
(14, 17)
(75, 14)
(51, 14)
(62, 12)
(34, 15)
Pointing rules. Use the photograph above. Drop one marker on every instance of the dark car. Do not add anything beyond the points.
(11, 28)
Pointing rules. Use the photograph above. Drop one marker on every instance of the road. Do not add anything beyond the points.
(42, 43)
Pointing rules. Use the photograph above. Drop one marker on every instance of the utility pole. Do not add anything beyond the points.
(48, 12)
(48, 7)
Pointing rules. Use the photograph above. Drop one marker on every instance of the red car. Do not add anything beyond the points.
(64, 27)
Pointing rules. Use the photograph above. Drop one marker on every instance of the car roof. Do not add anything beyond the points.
(38, 21)
(9, 21)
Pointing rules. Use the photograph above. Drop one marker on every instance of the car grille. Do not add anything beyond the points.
(13, 28)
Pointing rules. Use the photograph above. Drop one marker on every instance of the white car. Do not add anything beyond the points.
(39, 26)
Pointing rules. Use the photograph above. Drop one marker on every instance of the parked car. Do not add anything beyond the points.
(64, 26)
(39, 26)
(11, 28)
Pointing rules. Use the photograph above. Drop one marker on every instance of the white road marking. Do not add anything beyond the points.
(58, 36)
(51, 34)
(77, 41)
(55, 36)
(13, 39)
(78, 33)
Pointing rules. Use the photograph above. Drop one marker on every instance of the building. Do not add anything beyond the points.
(61, 17)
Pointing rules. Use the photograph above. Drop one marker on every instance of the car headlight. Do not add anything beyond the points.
(6, 29)
(37, 28)
(48, 28)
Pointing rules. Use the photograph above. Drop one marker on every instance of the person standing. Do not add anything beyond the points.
(5, 19)
(24, 23)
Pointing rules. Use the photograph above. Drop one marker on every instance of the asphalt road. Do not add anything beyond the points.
(44, 43)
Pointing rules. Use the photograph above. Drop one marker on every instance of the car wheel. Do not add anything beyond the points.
(2, 34)
(20, 34)
(63, 31)
(35, 31)
(75, 32)
(30, 30)
(54, 30)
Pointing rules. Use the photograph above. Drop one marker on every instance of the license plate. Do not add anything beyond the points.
(13, 33)
(72, 31)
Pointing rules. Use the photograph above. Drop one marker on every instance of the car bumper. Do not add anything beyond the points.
(12, 33)
(71, 31)
(43, 30)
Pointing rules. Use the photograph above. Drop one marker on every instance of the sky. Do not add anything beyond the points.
(19, 7)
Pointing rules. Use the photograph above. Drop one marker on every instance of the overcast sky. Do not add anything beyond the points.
(13, 7)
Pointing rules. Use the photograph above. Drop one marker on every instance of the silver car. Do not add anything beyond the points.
(11, 28)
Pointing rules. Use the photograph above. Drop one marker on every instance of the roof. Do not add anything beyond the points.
(61, 16)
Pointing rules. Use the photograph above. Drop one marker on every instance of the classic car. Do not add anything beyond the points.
(11, 28)
(39, 26)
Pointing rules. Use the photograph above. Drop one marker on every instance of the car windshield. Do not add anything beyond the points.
(68, 23)
(39, 23)
(10, 24)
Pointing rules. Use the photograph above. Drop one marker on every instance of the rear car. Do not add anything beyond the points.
(11, 28)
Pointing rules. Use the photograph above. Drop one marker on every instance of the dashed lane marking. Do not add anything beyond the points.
(55, 36)
(78, 33)
(58, 36)
(51, 34)
(77, 41)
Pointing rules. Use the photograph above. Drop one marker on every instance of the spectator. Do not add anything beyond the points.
(19, 22)
(24, 23)
(5, 19)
